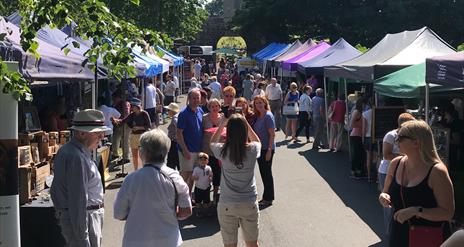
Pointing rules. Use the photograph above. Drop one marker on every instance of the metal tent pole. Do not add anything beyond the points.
(427, 103)
(348, 112)
(326, 117)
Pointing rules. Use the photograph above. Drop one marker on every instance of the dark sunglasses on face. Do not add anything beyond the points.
(400, 138)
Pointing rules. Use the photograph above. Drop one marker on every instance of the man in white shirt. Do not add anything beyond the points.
(197, 69)
(175, 79)
(108, 112)
(274, 96)
(150, 103)
(169, 90)
(368, 144)
(152, 199)
(215, 88)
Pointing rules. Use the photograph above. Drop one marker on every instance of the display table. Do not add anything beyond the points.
(39, 227)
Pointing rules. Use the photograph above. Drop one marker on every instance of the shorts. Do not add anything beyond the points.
(185, 164)
(202, 196)
(152, 113)
(134, 141)
(233, 215)
(291, 116)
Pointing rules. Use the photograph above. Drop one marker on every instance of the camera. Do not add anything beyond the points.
(238, 110)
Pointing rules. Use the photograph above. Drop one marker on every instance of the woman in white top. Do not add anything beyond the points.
(237, 205)
(152, 199)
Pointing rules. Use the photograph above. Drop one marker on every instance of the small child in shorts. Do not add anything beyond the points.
(202, 175)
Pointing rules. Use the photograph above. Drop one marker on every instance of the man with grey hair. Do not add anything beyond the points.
(77, 190)
(274, 96)
(152, 199)
(318, 107)
(190, 135)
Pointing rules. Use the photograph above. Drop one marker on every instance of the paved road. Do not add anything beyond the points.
(316, 205)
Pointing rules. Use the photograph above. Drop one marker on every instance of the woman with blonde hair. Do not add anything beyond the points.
(291, 99)
(418, 186)
(212, 120)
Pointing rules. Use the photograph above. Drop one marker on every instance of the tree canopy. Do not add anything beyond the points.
(179, 19)
(359, 22)
(112, 35)
(215, 8)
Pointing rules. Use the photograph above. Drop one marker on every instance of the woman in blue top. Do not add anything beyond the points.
(292, 98)
(264, 127)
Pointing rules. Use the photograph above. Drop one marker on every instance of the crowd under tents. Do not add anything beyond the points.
(393, 52)
(341, 51)
(291, 64)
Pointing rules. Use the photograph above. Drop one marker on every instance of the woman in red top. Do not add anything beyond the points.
(338, 109)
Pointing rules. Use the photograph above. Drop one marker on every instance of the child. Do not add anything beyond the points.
(202, 175)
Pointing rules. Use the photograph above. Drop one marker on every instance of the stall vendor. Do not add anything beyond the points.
(77, 190)
(139, 121)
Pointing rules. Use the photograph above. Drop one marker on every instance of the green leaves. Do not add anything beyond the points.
(13, 83)
(136, 2)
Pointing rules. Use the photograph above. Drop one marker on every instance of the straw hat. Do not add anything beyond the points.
(173, 107)
(89, 120)
(352, 97)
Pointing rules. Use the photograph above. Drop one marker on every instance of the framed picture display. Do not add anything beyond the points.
(31, 119)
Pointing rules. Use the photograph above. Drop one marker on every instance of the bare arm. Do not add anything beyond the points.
(286, 99)
(252, 136)
(442, 187)
(181, 141)
(384, 197)
(217, 135)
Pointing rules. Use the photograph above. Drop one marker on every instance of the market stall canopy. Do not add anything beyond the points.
(246, 63)
(59, 39)
(446, 70)
(277, 62)
(52, 64)
(341, 51)
(276, 53)
(407, 83)
(393, 52)
(174, 60)
(291, 64)
(273, 48)
(297, 44)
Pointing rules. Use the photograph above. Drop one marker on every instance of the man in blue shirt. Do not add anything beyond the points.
(190, 135)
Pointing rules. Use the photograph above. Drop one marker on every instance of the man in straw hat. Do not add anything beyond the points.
(173, 156)
(77, 190)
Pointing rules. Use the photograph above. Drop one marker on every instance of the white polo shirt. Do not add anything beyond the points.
(274, 92)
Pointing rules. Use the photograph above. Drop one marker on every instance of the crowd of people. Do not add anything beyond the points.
(177, 170)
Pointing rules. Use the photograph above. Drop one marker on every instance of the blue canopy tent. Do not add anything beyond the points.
(272, 51)
(254, 55)
(341, 51)
(176, 60)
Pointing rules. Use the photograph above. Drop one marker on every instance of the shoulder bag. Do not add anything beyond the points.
(422, 236)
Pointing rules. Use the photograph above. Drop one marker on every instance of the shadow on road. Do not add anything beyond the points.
(193, 227)
(358, 195)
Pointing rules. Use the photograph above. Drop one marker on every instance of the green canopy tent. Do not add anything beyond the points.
(407, 83)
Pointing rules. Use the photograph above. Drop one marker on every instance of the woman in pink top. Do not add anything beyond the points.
(356, 138)
(338, 107)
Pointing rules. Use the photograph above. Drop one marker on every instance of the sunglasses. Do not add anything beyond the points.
(400, 138)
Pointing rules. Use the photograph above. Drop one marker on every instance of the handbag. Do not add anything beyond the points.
(422, 236)
(290, 109)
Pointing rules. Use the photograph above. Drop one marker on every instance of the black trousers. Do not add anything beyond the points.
(357, 155)
(304, 122)
(173, 157)
(265, 169)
